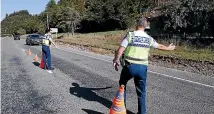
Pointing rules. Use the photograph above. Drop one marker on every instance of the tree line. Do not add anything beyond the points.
(170, 16)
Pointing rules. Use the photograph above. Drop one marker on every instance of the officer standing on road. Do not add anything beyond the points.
(46, 42)
(136, 45)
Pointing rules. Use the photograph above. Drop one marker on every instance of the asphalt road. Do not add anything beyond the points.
(85, 83)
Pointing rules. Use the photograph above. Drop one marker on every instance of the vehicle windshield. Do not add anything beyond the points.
(34, 36)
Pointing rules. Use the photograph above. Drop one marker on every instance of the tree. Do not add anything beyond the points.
(78, 5)
(177, 16)
(51, 5)
(187, 16)
(69, 18)
(22, 22)
(50, 12)
(21, 31)
(6, 15)
(120, 11)
(21, 12)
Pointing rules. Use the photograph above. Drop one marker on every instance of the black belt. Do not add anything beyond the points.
(127, 63)
(134, 59)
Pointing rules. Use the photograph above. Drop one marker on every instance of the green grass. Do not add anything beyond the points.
(94, 35)
(108, 42)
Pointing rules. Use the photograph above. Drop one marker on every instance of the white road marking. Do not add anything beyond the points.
(181, 79)
(165, 75)
(23, 49)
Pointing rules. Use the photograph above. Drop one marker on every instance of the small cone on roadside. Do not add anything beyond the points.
(29, 52)
(36, 58)
(118, 105)
(42, 65)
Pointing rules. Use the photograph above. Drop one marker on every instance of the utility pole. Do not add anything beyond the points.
(47, 22)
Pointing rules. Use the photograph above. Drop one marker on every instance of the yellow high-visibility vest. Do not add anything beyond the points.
(45, 42)
(137, 51)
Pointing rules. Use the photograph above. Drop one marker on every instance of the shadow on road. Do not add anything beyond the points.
(88, 111)
(88, 94)
(36, 64)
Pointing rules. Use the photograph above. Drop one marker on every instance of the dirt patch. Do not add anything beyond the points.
(195, 66)
(100, 51)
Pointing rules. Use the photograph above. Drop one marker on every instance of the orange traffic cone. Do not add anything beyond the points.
(29, 52)
(36, 59)
(118, 106)
(42, 65)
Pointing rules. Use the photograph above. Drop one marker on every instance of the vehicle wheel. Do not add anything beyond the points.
(30, 44)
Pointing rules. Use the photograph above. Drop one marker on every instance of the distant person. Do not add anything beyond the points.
(46, 42)
(136, 45)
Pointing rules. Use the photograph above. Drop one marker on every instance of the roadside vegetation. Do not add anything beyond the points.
(100, 24)
(108, 42)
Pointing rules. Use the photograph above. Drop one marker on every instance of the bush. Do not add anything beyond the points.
(21, 31)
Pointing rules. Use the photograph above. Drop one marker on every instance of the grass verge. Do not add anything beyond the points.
(108, 42)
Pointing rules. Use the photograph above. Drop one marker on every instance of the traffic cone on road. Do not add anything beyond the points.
(118, 106)
(29, 52)
(36, 58)
(42, 65)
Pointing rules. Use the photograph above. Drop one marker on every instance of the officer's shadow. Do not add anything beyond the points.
(89, 95)
(37, 64)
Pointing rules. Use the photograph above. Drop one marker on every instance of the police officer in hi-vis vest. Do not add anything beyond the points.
(46, 42)
(136, 46)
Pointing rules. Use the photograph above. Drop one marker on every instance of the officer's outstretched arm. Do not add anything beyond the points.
(52, 42)
(163, 47)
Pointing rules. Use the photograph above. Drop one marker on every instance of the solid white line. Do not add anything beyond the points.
(165, 75)
(180, 79)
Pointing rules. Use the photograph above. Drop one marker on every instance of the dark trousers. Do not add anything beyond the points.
(139, 72)
(46, 56)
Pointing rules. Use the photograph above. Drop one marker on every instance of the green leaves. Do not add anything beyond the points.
(21, 31)
(67, 15)
(188, 16)
(97, 15)
(21, 22)
(68, 19)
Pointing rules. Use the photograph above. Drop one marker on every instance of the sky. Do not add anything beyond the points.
(33, 6)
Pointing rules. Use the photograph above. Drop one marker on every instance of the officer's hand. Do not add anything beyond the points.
(116, 65)
(171, 47)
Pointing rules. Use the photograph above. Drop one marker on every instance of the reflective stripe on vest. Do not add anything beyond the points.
(134, 59)
(137, 51)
